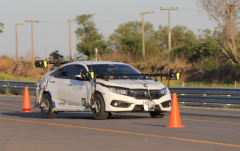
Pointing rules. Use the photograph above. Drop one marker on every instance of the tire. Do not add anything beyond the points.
(47, 110)
(157, 114)
(99, 112)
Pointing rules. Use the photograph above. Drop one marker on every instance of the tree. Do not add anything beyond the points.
(56, 56)
(128, 38)
(1, 25)
(88, 36)
(226, 14)
(203, 48)
(80, 56)
(179, 36)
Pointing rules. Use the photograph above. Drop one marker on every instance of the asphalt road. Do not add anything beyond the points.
(205, 129)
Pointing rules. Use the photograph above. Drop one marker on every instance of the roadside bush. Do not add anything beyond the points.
(5, 62)
(208, 65)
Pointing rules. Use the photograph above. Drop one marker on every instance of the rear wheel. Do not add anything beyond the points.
(157, 114)
(46, 107)
(99, 108)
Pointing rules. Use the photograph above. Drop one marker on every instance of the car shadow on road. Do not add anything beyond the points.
(84, 116)
(24, 115)
(89, 116)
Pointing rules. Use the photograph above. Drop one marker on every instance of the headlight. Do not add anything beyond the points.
(163, 91)
(118, 91)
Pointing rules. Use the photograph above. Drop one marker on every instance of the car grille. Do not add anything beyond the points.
(143, 94)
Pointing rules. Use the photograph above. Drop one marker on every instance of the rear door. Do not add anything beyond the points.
(78, 90)
(58, 83)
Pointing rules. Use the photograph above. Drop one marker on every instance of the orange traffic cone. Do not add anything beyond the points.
(26, 102)
(175, 121)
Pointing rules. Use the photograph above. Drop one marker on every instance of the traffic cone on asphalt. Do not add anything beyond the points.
(175, 121)
(26, 102)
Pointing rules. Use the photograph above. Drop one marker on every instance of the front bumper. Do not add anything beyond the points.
(133, 104)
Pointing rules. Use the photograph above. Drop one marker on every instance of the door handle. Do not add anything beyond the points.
(69, 84)
(52, 81)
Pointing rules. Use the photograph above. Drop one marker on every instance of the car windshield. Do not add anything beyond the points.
(114, 69)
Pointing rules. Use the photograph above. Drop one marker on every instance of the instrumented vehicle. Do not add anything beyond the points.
(100, 87)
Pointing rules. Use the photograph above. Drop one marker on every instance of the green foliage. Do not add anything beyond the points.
(56, 56)
(128, 38)
(138, 66)
(208, 65)
(181, 35)
(178, 83)
(9, 77)
(145, 67)
(165, 65)
(1, 25)
(88, 36)
(25, 63)
(198, 50)
(154, 65)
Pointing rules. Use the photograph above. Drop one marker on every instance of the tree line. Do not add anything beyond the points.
(213, 48)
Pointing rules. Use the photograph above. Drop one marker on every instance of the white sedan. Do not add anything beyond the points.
(68, 89)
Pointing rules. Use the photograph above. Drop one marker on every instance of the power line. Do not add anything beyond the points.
(118, 19)
(191, 9)
(53, 22)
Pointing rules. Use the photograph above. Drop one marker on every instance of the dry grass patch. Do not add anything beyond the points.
(5, 62)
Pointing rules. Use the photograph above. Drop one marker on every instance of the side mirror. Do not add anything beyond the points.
(82, 77)
(78, 77)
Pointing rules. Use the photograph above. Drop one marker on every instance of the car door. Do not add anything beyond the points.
(77, 90)
(57, 85)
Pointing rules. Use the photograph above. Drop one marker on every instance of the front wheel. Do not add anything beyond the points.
(99, 108)
(46, 107)
(157, 114)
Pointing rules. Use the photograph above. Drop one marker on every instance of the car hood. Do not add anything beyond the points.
(133, 84)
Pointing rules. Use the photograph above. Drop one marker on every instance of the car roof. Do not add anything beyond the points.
(93, 62)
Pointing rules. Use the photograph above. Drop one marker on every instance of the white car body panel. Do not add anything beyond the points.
(67, 94)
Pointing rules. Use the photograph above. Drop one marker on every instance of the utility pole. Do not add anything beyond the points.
(70, 45)
(32, 36)
(143, 41)
(169, 37)
(17, 41)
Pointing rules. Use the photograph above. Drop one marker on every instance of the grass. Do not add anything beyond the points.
(19, 78)
(178, 83)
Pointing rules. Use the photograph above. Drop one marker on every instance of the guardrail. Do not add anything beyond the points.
(17, 87)
(190, 96)
(208, 96)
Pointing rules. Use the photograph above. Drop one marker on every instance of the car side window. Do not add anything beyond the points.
(65, 72)
(56, 73)
(77, 70)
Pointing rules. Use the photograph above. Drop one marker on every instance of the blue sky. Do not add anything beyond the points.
(51, 33)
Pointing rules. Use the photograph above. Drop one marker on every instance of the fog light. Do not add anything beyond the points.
(119, 103)
(115, 104)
